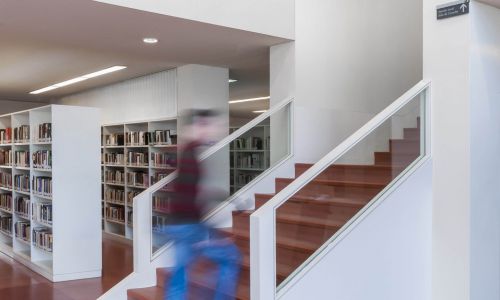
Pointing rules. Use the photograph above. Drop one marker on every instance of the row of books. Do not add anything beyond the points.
(22, 182)
(115, 213)
(43, 239)
(250, 161)
(115, 196)
(22, 206)
(162, 160)
(42, 212)
(22, 134)
(5, 135)
(158, 176)
(5, 157)
(161, 203)
(5, 180)
(113, 158)
(22, 159)
(156, 137)
(114, 139)
(6, 202)
(243, 179)
(137, 158)
(248, 143)
(130, 217)
(43, 132)
(130, 197)
(6, 224)
(139, 178)
(114, 176)
(42, 159)
(22, 230)
(42, 185)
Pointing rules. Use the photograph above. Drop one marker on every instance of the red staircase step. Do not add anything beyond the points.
(371, 173)
(411, 133)
(388, 158)
(150, 293)
(404, 146)
(335, 188)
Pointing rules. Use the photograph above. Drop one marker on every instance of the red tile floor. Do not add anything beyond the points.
(19, 283)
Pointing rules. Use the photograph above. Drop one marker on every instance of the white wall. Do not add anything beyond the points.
(353, 58)
(387, 256)
(271, 17)
(143, 98)
(7, 106)
(485, 151)
(446, 63)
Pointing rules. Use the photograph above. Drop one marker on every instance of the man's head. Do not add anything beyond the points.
(203, 125)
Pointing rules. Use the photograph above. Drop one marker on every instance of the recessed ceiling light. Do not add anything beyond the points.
(250, 99)
(78, 79)
(232, 80)
(259, 111)
(150, 40)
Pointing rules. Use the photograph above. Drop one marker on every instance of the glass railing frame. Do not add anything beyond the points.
(225, 142)
(262, 279)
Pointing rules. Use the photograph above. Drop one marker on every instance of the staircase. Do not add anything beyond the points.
(306, 220)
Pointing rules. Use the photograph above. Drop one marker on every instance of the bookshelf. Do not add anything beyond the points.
(249, 156)
(39, 191)
(133, 157)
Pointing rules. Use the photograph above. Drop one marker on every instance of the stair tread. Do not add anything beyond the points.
(376, 166)
(341, 182)
(149, 293)
(340, 201)
(282, 270)
(282, 241)
(303, 220)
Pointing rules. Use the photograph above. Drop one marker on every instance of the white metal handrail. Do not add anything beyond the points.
(263, 251)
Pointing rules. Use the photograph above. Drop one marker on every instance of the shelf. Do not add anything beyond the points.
(42, 170)
(137, 187)
(41, 249)
(24, 253)
(115, 203)
(114, 166)
(6, 145)
(9, 234)
(136, 146)
(113, 147)
(22, 216)
(248, 169)
(248, 151)
(22, 168)
(36, 143)
(130, 224)
(163, 146)
(22, 192)
(42, 196)
(115, 221)
(21, 144)
(42, 223)
(5, 167)
(137, 167)
(23, 241)
(6, 210)
(5, 189)
(115, 184)
(45, 264)
(164, 168)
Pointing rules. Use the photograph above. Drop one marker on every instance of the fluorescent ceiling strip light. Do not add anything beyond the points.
(259, 111)
(78, 79)
(232, 80)
(249, 100)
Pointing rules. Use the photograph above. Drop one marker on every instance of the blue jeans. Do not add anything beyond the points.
(226, 257)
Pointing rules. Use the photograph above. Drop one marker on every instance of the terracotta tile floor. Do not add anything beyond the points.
(19, 283)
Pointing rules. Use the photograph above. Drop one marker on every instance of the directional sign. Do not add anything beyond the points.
(453, 9)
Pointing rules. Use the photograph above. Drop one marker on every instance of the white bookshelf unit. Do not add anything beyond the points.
(131, 163)
(48, 212)
(249, 156)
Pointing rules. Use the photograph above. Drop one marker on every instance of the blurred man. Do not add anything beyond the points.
(192, 238)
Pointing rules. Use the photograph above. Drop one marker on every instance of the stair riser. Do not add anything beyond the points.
(388, 159)
(377, 175)
(315, 190)
(404, 147)
(310, 209)
(411, 133)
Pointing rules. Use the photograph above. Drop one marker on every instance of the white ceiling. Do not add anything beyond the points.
(49, 41)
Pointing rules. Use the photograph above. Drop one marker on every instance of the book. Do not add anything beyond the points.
(138, 179)
(114, 177)
(6, 136)
(6, 224)
(115, 196)
(5, 157)
(163, 160)
(43, 239)
(117, 159)
(22, 183)
(135, 158)
(42, 159)
(43, 132)
(22, 230)
(114, 139)
(115, 213)
(22, 159)
(6, 202)
(22, 206)
(42, 185)
(22, 134)
(42, 213)
(5, 180)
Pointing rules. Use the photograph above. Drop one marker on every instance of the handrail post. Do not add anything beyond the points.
(142, 232)
(263, 256)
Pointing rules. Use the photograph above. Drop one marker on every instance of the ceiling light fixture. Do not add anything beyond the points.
(150, 40)
(78, 79)
(249, 100)
(232, 80)
(259, 111)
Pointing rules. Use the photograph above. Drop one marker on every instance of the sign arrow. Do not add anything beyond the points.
(463, 7)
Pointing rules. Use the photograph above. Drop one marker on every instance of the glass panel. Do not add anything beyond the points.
(223, 174)
(310, 218)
